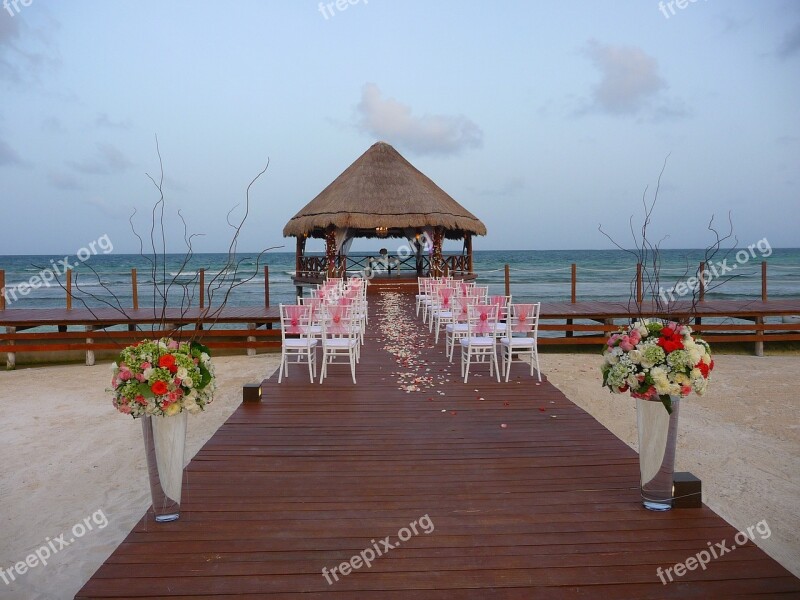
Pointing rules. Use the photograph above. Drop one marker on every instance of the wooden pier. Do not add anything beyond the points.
(546, 506)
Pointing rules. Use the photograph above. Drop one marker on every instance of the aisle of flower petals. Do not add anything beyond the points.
(404, 338)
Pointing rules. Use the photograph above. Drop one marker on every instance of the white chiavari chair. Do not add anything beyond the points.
(523, 327)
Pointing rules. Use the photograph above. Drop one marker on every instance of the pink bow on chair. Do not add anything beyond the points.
(445, 294)
(523, 313)
(499, 301)
(295, 314)
(338, 322)
(484, 325)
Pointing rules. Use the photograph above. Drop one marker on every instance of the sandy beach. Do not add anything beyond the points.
(71, 459)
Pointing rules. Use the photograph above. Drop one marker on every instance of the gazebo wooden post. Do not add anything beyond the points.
(468, 245)
(298, 263)
(436, 259)
(418, 255)
(330, 251)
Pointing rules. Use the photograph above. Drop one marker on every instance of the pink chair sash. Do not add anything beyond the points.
(445, 294)
(523, 314)
(338, 323)
(294, 314)
(463, 311)
(484, 326)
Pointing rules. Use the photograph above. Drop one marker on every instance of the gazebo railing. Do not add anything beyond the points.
(381, 265)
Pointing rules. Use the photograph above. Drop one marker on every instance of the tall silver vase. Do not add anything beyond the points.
(164, 444)
(658, 435)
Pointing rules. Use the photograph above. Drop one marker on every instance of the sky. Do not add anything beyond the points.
(547, 120)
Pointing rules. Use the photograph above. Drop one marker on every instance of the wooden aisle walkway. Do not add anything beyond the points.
(547, 507)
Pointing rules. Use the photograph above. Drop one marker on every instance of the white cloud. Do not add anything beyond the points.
(63, 181)
(629, 79)
(8, 156)
(790, 44)
(392, 121)
(20, 61)
(108, 159)
(103, 120)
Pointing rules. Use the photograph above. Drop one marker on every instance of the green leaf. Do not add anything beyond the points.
(667, 402)
(144, 390)
(205, 376)
(196, 349)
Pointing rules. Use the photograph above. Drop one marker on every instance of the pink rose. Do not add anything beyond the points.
(173, 345)
(145, 365)
(139, 377)
(626, 344)
(125, 375)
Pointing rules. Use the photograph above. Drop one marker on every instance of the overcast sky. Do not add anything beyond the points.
(545, 119)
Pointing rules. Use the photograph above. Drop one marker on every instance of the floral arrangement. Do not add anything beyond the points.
(162, 378)
(655, 360)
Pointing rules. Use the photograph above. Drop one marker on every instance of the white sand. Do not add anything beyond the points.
(68, 454)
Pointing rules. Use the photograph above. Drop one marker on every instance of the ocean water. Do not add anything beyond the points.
(536, 275)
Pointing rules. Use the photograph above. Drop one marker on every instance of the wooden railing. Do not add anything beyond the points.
(315, 266)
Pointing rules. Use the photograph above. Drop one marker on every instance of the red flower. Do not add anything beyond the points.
(159, 388)
(704, 368)
(166, 361)
(669, 340)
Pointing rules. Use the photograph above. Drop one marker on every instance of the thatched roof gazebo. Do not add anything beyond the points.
(382, 195)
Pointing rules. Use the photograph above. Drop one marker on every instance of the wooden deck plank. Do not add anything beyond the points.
(547, 507)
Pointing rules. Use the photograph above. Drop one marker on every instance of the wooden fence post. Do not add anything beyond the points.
(251, 338)
(760, 320)
(2, 289)
(639, 292)
(11, 357)
(69, 289)
(266, 286)
(202, 288)
(574, 294)
(702, 273)
(89, 353)
(135, 289)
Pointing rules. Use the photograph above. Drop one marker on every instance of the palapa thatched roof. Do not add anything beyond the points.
(383, 189)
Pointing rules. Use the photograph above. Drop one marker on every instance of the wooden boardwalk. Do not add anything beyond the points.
(547, 507)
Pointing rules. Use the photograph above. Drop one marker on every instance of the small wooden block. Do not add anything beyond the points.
(251, 392)
(686, 491)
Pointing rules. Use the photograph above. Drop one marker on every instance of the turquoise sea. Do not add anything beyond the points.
(536, 275)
